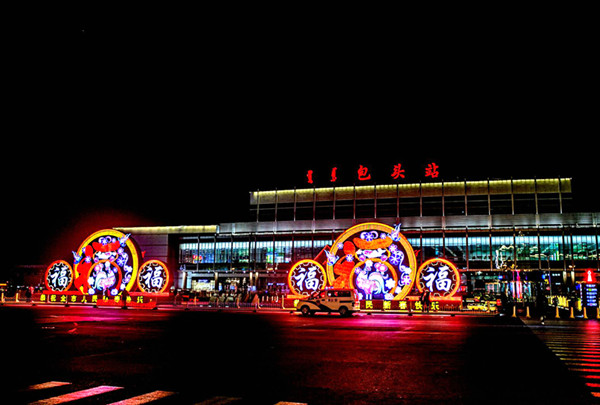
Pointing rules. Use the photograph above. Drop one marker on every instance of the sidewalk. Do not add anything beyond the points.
(273, 308)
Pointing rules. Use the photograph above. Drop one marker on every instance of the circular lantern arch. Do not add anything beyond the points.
(58, 276)
(306, 276)
(153, 277)
(440, 277)
(373, 258)
(107, 260)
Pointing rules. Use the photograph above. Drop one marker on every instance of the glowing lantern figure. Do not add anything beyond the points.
(106, 263)
(377, 261)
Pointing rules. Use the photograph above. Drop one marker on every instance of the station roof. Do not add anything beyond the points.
(434, 189)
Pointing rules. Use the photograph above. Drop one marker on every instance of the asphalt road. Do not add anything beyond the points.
(245, 357)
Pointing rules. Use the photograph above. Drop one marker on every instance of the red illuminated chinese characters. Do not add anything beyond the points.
(432, 170)
(363, 173)
(309, 176)
(398, 171)
(334, 175)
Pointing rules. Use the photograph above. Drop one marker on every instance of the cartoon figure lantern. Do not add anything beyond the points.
(106, 263)
(374, 259)
(377, 261)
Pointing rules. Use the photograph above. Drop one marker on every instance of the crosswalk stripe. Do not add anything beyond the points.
(145, 398)
(77, 395)
(574, 346)
(137, 400)
(140, 399)
(575, 357)
(582, 364)
(49, 384)
(590, 343)
(290, 403)
(578, 341)
(218, 401)
(572, 352)
(584, 370)
(579, 351)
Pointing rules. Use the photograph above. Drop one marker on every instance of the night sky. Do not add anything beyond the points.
(160, 121)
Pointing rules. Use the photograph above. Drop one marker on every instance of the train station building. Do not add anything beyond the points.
(502, 235)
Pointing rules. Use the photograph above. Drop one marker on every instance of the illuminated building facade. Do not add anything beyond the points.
(500, 234)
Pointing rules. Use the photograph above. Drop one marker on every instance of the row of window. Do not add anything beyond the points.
(496, 251)
(426, 206)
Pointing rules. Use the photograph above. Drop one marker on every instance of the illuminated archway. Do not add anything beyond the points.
(106, 262)
(440, 277)
(58, 276)
(306, 276)
(153, 277)
(373, 258)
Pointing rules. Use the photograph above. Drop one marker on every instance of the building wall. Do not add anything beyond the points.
(490, 225)
(527, 247)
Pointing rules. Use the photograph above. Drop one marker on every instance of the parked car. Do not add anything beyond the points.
(343, 301)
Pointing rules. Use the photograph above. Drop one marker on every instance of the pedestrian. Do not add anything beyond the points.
(503, 302)
(256, 302)
(541, 303)
(237, 300)
(426, 300)
(124, 296)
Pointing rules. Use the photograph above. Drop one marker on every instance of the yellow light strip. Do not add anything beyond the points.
(139, 230)
(306, 194)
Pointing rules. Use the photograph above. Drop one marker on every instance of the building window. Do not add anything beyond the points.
(527, 251)
(240, 253)
(433, 247)
(477, 205)
(456, 250)
(501, 204)
(303, 250)
(479, 252)
(551, 251)
(263, 251)
(503, 250)
(283, 251)
(584, 251)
